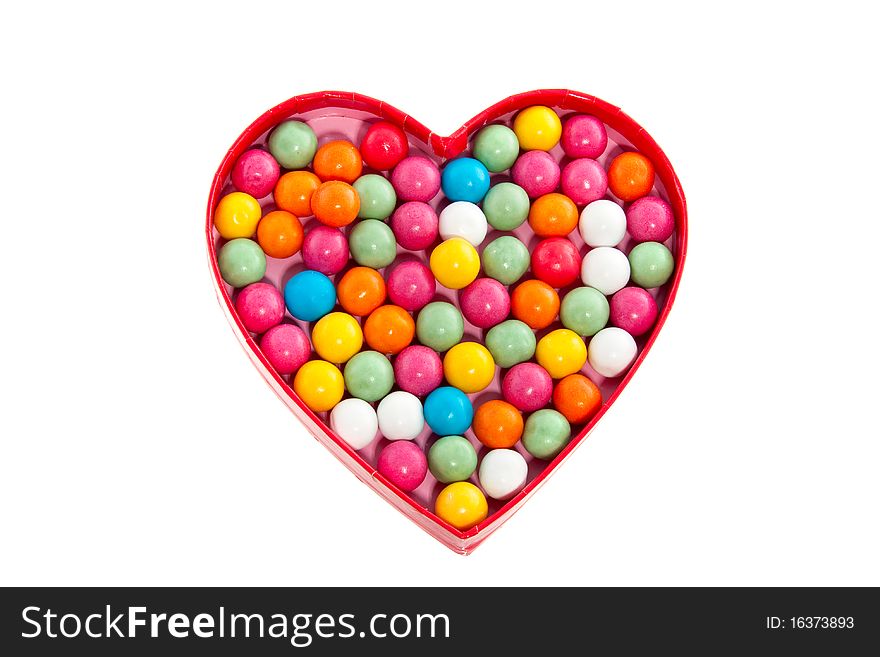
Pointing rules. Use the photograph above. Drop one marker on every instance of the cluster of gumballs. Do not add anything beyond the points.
(387, 215)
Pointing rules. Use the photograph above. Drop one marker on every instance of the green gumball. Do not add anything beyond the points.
(506, 259)
(651, 264)
(439, 326)
(511, 342)
(293, 144)
(452, 458)
(585, 311)
(368, 376)
(372, 244)
(241, 262)
(506, 206)
(497, 147)
(545, 433)
(376, 195)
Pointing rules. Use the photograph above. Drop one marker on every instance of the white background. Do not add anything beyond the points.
(139, 445)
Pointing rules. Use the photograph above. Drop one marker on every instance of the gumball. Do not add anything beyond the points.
(651, 264)
(630, 176)
(293, 144)
(506, 206)
(553, 215)
(369, 376)
(511, 342)
(577, 398)
(584, 136)
(286, 347)
(440, 326)
(338, 160)
(503, 473)
(612, 350)
(255, 173)
(294, 191)
(280, 234)
(418, 370)
(383, 146)
(372, 244)
(355, 421)
(556, 261)
(309, 295)
(469, 367)
(452, 458)
(606, 269)
(389, 329)
(463, 219)
(546, 433)
(462, 505)
(584, 181)
(400, 416)
(416, 178)
(241, 262)
(448, 411)
(415, 225)
(585, 311)
(485, 302)
(603, 223)
(496, 146)
(506, 259)
(335, 203)
(464, 179)
(403, 464)
(498, 424)
(634, 310)
(535, 303)
(537, 128)
(411, 285)
(455, 263)
(561, 352)
(376, 195)
(319, 385)
(237, 215)
(325, 249)
(536, 172)
(260, 307)
(527, 386)
(361, 290)
(337, 337)
(650, 219)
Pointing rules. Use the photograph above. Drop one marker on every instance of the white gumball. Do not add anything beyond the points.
(606, 269)
(603, 223)
(503, 473)
(465, 220)
(400, 416)
(355, 421)
(611, 351)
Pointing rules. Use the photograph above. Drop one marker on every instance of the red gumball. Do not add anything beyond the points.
(556, 261)
(384, 146)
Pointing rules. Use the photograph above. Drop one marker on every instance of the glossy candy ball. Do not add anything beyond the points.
(389, 329)
(361, 290)
(452, 458)
(606, 269)
(400, 416)
(372, 244)
(485, 302)
(603, 223)
(506, 259)
(510, 343)
(465, 179)
(584, 181)
(650, 219)
(506, 206)
(325, 249)
(255, 173)
(376, 195)
(418, 369)
(651, 264)
(338, 160)
(630, 176)
(369, 376)
(411, 285)
(634, 310)
(585, 311)
(241, 262)
(403, 463)
(415, 225)
(280, 234)
(561, 352)
(553, 215)
(496, 146)
(503, 473)
(462, 505)
(584, 136)
(309, 295)
(535, 303)
(546, 433)
(293, 144)
(498, 424)
(286, 347)
(260, 306)
(577, 398)
(556, 261)
(537, 173)
(448, 411)
(335, 203)
(612, 351)
(237, 215)
(355, 421)
(416, 178)
(440, 326)
(527, 386)
(469, 367)
(383, 146)
(463, 219)
(319, 384)
(337, 337)
(537, 128)
(455, 263)
(294, 191)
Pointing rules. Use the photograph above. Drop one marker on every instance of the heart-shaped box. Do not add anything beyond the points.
(334, 114)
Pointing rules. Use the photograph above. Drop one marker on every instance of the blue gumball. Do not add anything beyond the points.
(448, 411)
(309, 295)
(465, 179)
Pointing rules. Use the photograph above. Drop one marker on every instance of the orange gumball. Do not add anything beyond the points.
(389, 329)
(293, 192)
(630, 176)
(535, 303)
(553, 215)
(577, 398)
(280, 234)
(497, 424)
(338, 160)
(361, 290)
(335, 203)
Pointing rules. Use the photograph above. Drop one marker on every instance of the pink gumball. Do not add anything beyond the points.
(584, 181)
(650, 219)
(418, 370)
(416, 178)
(255, 173)
(415, 225)
(403, 463)
(286, 347)
(527, 386)
(325, 249)
(634, 310)
(485, 302)
(584, 136)
(411, 285)
(260, 307)
(536, 172)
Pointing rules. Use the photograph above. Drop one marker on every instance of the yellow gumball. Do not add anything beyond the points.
(455, 263)
(237, 215)
(462, 505)
(319, 384)
(469, 367)
(537, 128)
(561, 352)
(337, 337)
